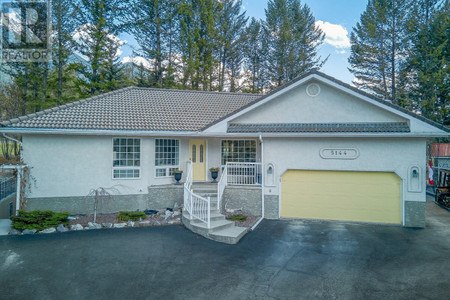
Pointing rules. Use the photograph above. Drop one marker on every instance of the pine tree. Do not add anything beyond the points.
(379, 48)
(429, 58)
(97, 21)
(63, 28)
(196, 43)
(230, 26)
(153, 24)
(255, 54)
(293, 41)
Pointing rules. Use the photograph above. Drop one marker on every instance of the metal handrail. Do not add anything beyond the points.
(197, 206)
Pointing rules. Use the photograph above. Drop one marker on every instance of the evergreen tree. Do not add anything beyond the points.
(97, 21)
(153, 24)
(63, 27)
(293, 41)
(255, 54)
(379, 48)
(429, 58)
(230, 26)
(196, 43)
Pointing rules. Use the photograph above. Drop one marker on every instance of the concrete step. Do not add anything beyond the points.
(214, 217)
(230, 235)
(215, 225)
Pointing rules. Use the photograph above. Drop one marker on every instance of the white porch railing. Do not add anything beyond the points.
(238, 174)
(244, 173)
(197, 206)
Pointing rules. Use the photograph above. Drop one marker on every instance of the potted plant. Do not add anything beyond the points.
(214, 173)
(177, 174)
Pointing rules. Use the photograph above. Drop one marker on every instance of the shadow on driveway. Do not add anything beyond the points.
(281, 259)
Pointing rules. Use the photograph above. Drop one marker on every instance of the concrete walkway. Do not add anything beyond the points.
(5, 225)
(282, 259)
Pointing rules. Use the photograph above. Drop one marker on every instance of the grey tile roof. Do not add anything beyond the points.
(319, 127)
(137, 108)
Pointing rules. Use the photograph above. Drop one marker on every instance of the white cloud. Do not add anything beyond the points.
(336, 35)
(82, 37)
(137, 60)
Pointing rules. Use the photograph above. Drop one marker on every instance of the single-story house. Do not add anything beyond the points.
(315, 148)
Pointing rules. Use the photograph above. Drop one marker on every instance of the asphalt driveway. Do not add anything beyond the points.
(280, 260)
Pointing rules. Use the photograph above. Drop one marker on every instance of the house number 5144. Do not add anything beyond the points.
(339, 153)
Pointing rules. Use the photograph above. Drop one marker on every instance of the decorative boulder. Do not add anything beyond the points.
(76, 227)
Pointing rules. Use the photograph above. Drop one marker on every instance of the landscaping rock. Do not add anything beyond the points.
(176, 213)
(150, 212)
(70, 218)
(169, 214)
(94, 226)
(120, 225)
(48, 230)
(13, 231)
(144, 222)
(29, 231)
(61, 228)
(76, 227)
(130, 223)
(107, 225)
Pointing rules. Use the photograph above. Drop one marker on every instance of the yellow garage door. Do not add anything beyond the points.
(346, 196)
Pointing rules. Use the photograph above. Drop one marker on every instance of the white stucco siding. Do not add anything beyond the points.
(64, 166)
(382, 155)
(330, 106)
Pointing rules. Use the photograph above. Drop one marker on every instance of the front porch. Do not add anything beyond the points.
(204, 204)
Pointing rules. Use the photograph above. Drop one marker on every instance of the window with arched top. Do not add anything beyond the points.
(194, 153)
(201, 153)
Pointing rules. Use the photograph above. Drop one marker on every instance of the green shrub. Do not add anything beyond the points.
(131, 215)
(239, 218)
(38, 219)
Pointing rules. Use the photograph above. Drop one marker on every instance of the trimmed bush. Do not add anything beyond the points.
(131, 215)
(38, 219)
(239, 218)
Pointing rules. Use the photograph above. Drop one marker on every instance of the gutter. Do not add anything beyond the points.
(262, 184)
(7, 130)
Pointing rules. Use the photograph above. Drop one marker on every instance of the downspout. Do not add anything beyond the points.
(262, 183)
(12, 139)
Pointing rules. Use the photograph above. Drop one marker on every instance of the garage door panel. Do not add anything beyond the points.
(335, 195)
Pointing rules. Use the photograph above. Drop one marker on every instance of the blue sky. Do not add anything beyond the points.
(335, 17)
(342, 13)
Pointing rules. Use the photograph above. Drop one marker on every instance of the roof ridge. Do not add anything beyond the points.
(62, 106)
(201, 92)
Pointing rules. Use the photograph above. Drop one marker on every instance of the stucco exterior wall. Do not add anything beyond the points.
(331, 105)
(400, 156)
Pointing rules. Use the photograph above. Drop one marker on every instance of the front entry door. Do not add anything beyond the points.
(197, 154)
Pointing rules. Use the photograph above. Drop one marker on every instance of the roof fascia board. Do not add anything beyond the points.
(96, 132)
(218, 135)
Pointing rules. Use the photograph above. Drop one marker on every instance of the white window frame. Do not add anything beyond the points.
(231, 139)
(168, 168)
(126, 167)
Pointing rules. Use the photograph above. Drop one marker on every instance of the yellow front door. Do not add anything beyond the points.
(197, 154)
